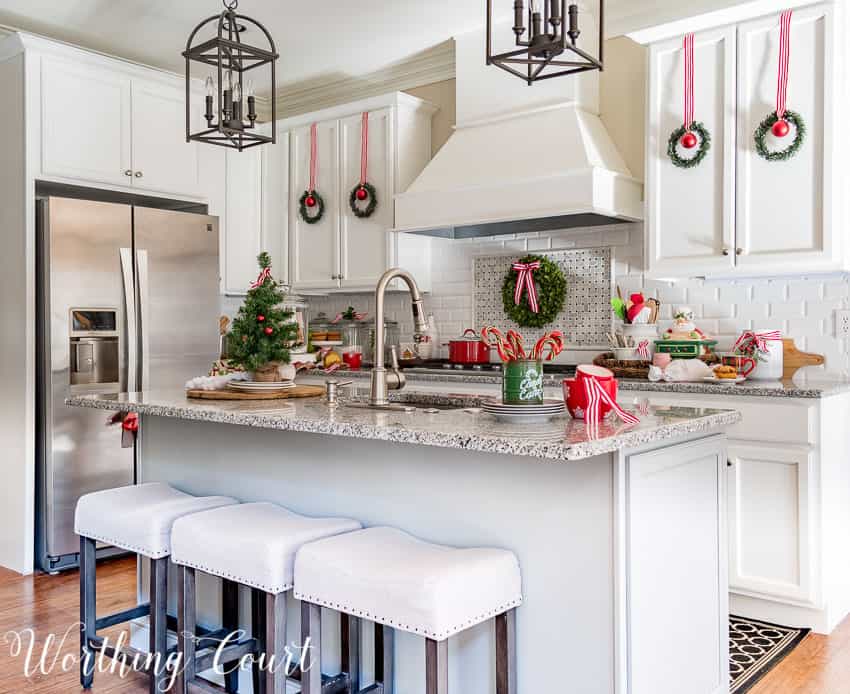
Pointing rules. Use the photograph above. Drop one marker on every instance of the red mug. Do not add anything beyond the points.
(353, 359)
(575, 395)
(743, 365)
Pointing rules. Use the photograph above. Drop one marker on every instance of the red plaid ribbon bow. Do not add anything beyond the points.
(524, 281)
(261, 280)
(757, 341)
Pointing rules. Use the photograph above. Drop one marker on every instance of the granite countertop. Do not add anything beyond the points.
(818, 385)
(561, 439)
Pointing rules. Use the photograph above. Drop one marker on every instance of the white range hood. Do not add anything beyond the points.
(521, 159)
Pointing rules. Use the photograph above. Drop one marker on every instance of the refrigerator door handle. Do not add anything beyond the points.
(130, 313)
(144, 315)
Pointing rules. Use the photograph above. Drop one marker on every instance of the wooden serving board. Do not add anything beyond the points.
(296, 392)
(793, 359)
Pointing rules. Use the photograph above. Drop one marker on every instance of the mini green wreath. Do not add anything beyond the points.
(767, 125)
(704, 145)
(304, 207)
(356, 196)
(551, 293)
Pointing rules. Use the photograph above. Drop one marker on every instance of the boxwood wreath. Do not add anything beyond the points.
(766, 126)
(704, 145)
(357, 196)
(304, 207)
(551, 293)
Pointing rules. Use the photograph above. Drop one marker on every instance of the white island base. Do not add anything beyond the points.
(622, 554)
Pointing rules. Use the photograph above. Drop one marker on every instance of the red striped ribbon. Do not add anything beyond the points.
(525, 281)
(758, 340)
(261, 279)
(688, 45)
(314, 156)
(643, 349)
(784, 60)
(596, 395)
(364, 147)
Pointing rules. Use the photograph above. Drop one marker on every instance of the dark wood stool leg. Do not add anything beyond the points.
(350, 656)
(275, 621)
(88, 613)
(258, 629)
(185, 626)
(230, 621)
(436, 667)
(506, 677)
(384, 657)
(311, 628)
(158, 623)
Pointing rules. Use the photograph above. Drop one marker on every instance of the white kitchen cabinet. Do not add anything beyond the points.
(342, 252)
(162, 159)
(315, 248)
(243, 224)
(690, 213)
(736, 213)
(86, 122)
(770, 517)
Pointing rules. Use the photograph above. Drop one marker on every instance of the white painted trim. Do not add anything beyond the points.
(717, 18)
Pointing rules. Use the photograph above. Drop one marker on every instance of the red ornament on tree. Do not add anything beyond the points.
(310, 201)
(362, 194)
(268, 331)
(689, 140)
(261, 318)
(781, 128)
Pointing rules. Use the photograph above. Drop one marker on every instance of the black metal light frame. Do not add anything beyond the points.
(551, 34)
(232, 58)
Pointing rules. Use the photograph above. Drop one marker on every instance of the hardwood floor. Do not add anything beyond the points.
(49, 604)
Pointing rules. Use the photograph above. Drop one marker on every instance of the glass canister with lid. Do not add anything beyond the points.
(298, 305)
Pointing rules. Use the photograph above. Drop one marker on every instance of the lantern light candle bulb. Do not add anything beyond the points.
(536, 19)
(226, 86)
(237, 102)
(574, 30)
(208, 113)
(519, 19)
(555, 13)
(252, 102)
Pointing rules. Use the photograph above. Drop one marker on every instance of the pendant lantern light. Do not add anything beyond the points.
(230, 108)
(546, 35)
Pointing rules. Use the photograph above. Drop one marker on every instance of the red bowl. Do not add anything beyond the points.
(575, 396)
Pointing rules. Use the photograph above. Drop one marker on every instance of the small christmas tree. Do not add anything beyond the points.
(262, 331)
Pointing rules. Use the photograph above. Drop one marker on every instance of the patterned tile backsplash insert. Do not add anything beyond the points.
(586, 317)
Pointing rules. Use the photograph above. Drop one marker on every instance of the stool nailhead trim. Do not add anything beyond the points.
(146, 551)
(238, 579)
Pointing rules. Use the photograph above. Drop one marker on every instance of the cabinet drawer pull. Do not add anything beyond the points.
(725, 251)
(739, 251)
(128, 172)
(139, 174)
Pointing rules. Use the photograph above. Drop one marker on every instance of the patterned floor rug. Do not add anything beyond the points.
(755, 648)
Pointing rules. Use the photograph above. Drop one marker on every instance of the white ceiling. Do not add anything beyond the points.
(315, 39)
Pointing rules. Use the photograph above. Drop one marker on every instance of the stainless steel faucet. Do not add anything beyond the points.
(382, 380)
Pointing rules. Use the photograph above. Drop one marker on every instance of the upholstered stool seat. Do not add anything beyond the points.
(393, 578)
(396, 580)
(139, 519)
(254, 545)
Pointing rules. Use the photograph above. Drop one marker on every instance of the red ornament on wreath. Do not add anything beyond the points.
(310, 201)
(689, 140)
(781, 128)
(364, 190)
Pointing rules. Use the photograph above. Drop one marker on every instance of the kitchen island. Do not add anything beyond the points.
(620, 533)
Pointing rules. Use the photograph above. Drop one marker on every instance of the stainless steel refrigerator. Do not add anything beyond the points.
(128, 300)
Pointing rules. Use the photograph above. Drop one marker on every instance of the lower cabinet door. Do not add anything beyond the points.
(770, 521)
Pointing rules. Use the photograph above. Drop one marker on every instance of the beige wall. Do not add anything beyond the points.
(622, 100)
(441, 94)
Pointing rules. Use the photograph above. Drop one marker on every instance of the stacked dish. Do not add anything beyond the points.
(524, 414)
(259, 386)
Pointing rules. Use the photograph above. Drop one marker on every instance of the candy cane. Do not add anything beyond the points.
(515, 341)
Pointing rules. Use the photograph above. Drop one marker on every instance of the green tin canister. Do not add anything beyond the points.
(522, 382)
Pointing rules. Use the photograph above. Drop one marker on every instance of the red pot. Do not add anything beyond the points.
(576, 397)
(469, 349)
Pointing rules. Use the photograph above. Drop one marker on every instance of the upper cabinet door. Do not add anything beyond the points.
(85, 116)
(690, 212)
(785, 207)
(366, 244)
(243, 230)
(314, 248)
(162, 159)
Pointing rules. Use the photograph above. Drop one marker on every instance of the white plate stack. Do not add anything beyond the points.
(524, 414)
(259, 386)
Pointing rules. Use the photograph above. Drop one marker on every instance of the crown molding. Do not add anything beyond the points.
(436, 64)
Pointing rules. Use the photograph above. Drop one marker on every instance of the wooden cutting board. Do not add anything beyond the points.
(793, 359)
(296, 392)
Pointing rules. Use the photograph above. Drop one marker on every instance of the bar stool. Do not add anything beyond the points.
(393, 579)
(138, 519)
(253, 545)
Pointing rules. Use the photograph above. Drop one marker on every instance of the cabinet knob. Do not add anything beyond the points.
(128, 172)
(138, 174)
(739, 251)
(725, 251)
